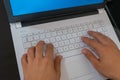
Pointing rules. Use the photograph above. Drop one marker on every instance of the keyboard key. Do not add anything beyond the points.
(70, 30)
(84, 33)
(59, 33)
(64, 31)
(77, 39)
(58, 38)
(85, 27)
(61, 43)
(52, 40)
(24, 40)
(41, 31)
(66, 42)
(79, 28)
(80, 34)
(77, 46)
(63, 37)
(36, 33)
(90, 26)
(34, 43)
(60, 50)
(74, 35)
(30, 34)
(42, 36)
(47, 40)
(71, 47)
(36, 37)
(27, 45)
(30, 38)
(24, 35)
(100, 30)
(72, 41)
(104, 29)
(96, 24)
(66, 48)
(54, 34)
(69, 36)
(56, 45)
(82, 44)
(75, 30)
(48, 35)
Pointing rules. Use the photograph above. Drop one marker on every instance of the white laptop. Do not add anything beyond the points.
(61, 22)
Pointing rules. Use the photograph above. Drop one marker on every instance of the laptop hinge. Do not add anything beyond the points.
(60, 17)
(101, 10)
(16, 25)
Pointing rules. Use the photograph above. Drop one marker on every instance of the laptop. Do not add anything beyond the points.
(61, 22)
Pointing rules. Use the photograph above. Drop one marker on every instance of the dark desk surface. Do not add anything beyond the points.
(114, 7)
(8, 65)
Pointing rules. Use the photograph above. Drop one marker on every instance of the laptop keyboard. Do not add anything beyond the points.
(64, 39)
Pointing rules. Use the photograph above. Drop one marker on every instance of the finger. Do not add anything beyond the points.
(57, 63)
(31, 54)
(49, 51)
(100, 37)
(91, 57)
(24, 61)
(39, 50)
(92, 43)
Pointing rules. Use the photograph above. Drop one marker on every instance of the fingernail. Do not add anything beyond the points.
(50, 45)
(84, 51)
(60, 56)
(82, 38)
(90, 32)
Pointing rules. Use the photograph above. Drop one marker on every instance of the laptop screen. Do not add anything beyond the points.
(22, 7)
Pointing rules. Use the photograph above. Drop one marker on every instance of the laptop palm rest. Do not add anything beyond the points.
(77, 67)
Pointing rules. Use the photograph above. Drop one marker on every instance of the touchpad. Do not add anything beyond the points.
(77, 66)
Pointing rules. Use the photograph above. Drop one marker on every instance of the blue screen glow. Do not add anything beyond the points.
(21, 7)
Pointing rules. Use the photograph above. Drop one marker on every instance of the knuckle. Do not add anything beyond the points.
(57, 61)
(106, 48)
(30, 49)
(99, 33)
(90, 41)
(50, 46)
(89, 55)
(46, 61)
(41, 42)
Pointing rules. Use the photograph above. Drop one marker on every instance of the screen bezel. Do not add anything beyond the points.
(47, 14)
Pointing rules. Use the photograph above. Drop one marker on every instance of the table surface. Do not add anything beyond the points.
(8, 65)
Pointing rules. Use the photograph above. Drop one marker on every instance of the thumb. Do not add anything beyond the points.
(57, 63)
(91, 57)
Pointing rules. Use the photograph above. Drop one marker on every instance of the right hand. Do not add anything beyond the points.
(108, 63)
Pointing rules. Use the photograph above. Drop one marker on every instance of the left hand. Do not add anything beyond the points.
(39, 67)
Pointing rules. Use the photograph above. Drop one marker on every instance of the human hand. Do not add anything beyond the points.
(39, 67)
(108, 63)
